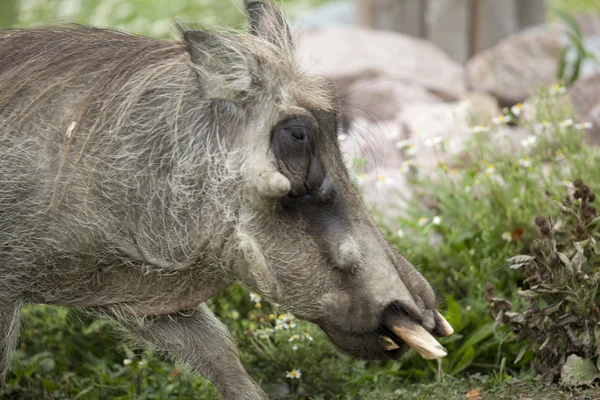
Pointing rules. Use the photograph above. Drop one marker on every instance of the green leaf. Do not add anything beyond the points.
(570, 21)
(466, 360)
(452, 314)
(477, 336)
(578, 371)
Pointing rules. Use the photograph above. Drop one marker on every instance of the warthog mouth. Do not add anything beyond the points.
(395, 335)
(399, 333)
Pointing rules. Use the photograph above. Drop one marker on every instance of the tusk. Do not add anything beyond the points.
(388, 344)
(442, 326)
(418, 338)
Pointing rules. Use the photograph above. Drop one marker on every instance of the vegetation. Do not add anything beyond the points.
(469, 219)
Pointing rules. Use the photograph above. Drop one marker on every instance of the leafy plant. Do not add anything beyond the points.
(562, 287)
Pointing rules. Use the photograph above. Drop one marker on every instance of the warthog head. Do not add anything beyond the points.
(308, 242)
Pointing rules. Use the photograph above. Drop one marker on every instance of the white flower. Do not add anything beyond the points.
(558, 89)
(490, 170)
(525, 162)
(127, 361)
(255, 297)
(342, 137)
(142, 363)
(292, 325)
(479, 129)
(517, 109)
(402, 144)
(400, 233)
(406, 165)
(383, 181)
(360, 178)
(410, 150)
(308, 337)
(433, 141)
(422, 221)
(436, 220)
(528, 141)
(559, 156)
(293, 374)
(566, 123)
(583, 125)
(507, 236)
(542, 126)
(501, 120)
(293, 337)
(295, 347)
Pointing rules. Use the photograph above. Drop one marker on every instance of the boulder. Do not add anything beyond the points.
(383, 99)
(347, 54)
(585, 97)
(517, 66)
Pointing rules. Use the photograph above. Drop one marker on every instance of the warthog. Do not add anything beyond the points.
(139, 177)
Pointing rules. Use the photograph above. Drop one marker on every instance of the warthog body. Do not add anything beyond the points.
(139, 177)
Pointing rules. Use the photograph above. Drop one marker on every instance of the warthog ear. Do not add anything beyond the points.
(222, 67)
(268, 22)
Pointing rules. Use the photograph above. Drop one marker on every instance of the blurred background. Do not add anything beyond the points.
(463, 120)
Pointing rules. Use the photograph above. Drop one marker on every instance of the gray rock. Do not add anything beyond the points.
(346, 54)
(516, 67)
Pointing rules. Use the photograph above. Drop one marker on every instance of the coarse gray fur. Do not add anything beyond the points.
(140, 177)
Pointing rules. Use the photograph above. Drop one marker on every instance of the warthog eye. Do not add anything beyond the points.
(294, 144)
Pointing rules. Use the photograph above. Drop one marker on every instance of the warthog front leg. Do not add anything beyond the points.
(200, 341)
(10, 311)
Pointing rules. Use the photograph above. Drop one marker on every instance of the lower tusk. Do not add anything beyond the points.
(418, 338)
(388, 344)
(443, 326)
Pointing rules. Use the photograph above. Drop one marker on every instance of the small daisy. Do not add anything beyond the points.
(517, 109)
(295, 347)
(479, 129)
(410, 150)
(342, 137)
(293, 374)
(436, 220)
(383, 181)
(528, 141)
(255, 297)
(293, 337)
(542, 126)
(127, 361)
(402, 144)
(558, 89)
(422, 221)
(490, 170)
(525, 162)
(566, 123)
(308, 337)
(559, 156)
(360, 178)
(433, 141)
(501, 120)
(406, 166)
(583, 125)
(400, 233)
(142, 363)
(507, 236)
